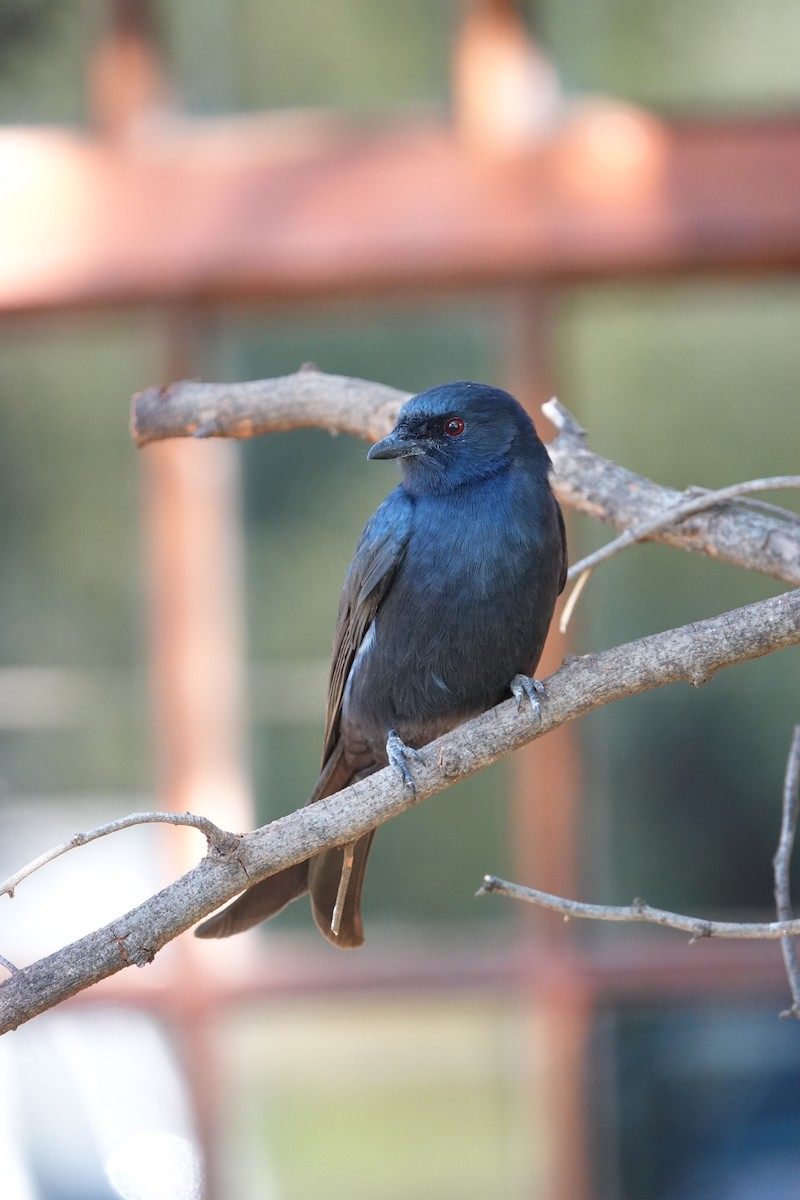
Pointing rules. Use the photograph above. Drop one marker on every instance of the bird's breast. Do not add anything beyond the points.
(468, 608)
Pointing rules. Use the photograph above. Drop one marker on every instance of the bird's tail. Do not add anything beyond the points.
(321, 875)
(325, 874)
(258, 903)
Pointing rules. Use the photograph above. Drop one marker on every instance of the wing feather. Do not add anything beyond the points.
(564, 555)
(378, 556)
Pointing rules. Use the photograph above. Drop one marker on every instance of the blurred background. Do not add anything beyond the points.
(598, 201)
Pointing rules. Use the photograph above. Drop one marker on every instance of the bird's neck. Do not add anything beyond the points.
(422, 479)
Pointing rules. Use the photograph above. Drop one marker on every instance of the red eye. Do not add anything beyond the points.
(454, 426)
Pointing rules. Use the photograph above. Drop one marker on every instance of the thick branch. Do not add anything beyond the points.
(690, 654)
(731, 532)
(244, 410)
(687, 506)
(757, 541)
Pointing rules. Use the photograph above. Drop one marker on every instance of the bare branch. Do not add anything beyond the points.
(785, 928)
(672, 515)
(758, 541)
(218, 838)
(782, 864)
(245, 410)
(784, 514)
(692, 653)
(698, 927)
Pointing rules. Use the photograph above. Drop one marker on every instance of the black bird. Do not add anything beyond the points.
(444, 610)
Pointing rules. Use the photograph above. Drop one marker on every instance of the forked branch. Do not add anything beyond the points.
(763, 540)
(786, 927)
(691, 654)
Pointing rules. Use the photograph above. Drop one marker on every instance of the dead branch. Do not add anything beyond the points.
(757, 540)
(306, 399)
(215, 836)
(785, 928)
(690, 654)
(698, 927)
(581, 571)
(782, 865)
(672, 516)
(764, 540)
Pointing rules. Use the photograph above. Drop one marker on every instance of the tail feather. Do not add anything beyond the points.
(324, 874)
(258, 903)
(320, 875)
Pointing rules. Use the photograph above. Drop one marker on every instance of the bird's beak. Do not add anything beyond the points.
(396, 445)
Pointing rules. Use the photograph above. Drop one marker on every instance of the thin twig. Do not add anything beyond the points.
(344, 883)
(698, 927)
(562, 419)
(750, 502)
(9, 966)
(754, 540)
(678, 512)
(220, 839)
(572, 600)
(782, 864)
(672, 515)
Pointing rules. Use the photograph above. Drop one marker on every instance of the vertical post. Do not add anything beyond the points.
(548, 770)
(192, 535)
(545, 820)
(194, 567)
(126, 85)
(506, 92)
(506, 96)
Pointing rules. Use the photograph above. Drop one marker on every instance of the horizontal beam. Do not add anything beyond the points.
(299, 207)
(661, 970)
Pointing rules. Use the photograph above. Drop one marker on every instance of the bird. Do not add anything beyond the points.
(444, 612)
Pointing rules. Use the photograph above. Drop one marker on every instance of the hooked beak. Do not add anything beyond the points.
(396, 445)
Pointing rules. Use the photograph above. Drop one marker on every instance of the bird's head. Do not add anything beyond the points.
(458, 433)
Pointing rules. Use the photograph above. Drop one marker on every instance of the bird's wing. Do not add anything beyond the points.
(564, 553)
(375, 563)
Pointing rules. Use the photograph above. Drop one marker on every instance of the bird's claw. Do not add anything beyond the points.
(526, 685)
(398, 754)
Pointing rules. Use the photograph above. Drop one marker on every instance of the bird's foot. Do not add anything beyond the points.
(399, 754)
(526, 685)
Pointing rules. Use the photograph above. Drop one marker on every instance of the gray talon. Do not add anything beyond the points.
(399, 754)
(526, 685)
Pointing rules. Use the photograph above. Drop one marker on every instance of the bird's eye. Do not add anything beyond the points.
(454, 426)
